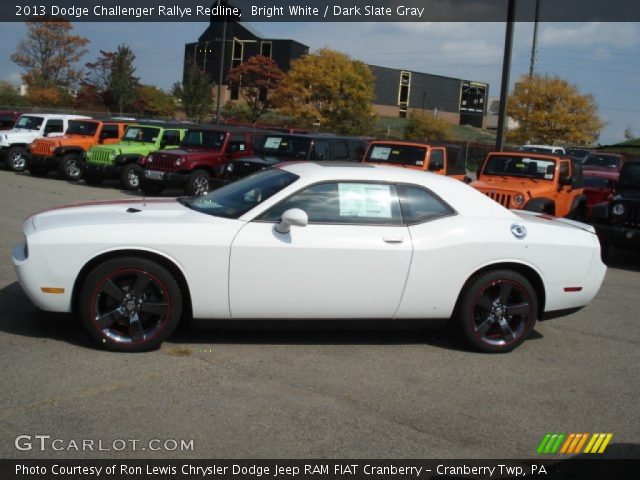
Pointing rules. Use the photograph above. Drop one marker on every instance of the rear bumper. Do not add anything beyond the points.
(619, 236)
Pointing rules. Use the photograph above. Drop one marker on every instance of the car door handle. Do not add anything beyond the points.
(393, 239)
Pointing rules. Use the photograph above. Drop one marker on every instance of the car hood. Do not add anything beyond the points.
(188, 152)
(128, 147)
(115, 212)
(513, 184)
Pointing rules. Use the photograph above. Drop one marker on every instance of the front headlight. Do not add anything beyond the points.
(518, 200)
(90, 154)
(178, 162)
(112, 156)
(150, 159)
(52, 148)
(229, 167)
(618, 209)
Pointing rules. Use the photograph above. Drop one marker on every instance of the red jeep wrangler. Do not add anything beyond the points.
(202, 155)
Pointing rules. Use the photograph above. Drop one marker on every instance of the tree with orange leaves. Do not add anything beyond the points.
(49, 54)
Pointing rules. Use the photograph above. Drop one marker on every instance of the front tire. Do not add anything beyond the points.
(69, 167)
(130, 304)
(130, 176)
(16, 159)
(497, 310)
(198, 183)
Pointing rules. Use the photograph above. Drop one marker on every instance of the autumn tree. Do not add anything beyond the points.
(550, 110)
(423, 126)
(257, 80)
(94, 88)
(153, 101)
(49, 54)
(195, 93)
(330, 88)
(10, 97)
(121, 80)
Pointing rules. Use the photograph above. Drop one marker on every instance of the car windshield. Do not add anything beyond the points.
(237, 198)
(29, 122)
(6, 121)
(609, 161)
(204, 138)
(397, 154)
(527, 167)
(141, 134)
(596, 182)
(576, 152)
(82, 128)
(284, 145)
(630, 176)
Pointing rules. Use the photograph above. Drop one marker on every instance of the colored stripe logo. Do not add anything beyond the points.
(574, 443)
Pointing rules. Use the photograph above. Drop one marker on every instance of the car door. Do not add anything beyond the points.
(350, 261)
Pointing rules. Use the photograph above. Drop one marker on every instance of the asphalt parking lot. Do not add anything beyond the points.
(331, 393)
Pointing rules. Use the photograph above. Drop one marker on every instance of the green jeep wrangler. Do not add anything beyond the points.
(121, 160)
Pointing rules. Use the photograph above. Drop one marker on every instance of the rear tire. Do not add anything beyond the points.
(69, 167)
(130, 176)
(198, 183)
(497, 310)
(16, 159)
(130, 304)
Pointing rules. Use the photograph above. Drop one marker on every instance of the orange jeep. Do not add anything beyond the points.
(65, 153)
(542, 183)
(442, 159)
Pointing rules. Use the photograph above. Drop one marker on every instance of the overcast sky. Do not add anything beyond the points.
(601, 58)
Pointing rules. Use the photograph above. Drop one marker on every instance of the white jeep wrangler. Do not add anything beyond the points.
(14, 143)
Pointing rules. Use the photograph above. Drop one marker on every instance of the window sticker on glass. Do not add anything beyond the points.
(241, 147)
(272, 142)
(419, 163)
(363, 200)
(548, 176)
(380, 153)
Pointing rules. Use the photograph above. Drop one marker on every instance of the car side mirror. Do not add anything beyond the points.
(435, 166)
(294, 217)
(566, 180)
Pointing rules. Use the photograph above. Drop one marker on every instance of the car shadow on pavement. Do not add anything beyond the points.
(623, 259)
(18, 316)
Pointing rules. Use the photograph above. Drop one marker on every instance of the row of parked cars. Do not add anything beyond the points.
(154, 156)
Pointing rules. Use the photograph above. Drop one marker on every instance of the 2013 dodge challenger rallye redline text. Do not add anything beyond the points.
(309, 240)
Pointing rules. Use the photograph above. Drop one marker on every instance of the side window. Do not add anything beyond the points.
(339, 150)
(54, 126)
(344, 203)
(420, 205)
(237, 143)
(320, 150)
(109, 131)
(437, 156)
(171, 138)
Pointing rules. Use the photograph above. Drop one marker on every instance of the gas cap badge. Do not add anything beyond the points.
(519, 231)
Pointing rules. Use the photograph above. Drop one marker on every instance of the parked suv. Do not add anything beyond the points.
(8, 120)
(540, 183)
(275, 148)
(121, 160)
(65, 153)
(617, 222)
(202, 155)
(14, 143)
(442, 159)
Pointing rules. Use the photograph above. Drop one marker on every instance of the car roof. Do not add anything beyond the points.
(463, 198)
(54, 115)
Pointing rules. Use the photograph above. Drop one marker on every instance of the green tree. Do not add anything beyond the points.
(330, 88)
(423, 126)
(122, 82)
(550, 110)
(257, 79)
(49, 54)
(195, 93)
(153, 101)
(9, 96)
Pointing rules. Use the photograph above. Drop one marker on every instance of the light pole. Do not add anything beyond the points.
(506, 69)
(532, 67)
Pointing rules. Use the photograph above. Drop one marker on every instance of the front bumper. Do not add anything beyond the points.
(619, 236)
(169, 179)
(42, 161)
(101, 170)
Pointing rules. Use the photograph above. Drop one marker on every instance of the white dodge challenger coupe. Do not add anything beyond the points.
(309, 241)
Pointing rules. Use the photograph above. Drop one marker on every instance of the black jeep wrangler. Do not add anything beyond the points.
(618, 221)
